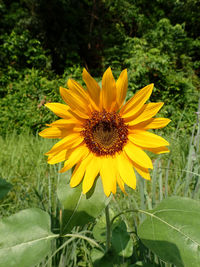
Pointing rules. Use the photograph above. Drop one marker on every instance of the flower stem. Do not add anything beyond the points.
(108, 228)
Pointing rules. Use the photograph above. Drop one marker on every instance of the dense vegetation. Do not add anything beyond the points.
(34, 183)
(42, 44)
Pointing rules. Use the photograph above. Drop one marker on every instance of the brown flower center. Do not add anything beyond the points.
(105, 133)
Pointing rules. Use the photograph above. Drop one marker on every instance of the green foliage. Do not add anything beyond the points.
(163, 56)
(23, 165)
(121, 242)
(25, 238)
(19, 52)
(35, 183)
(22, 107)
(41, 46)
(79, 209)
(159, 57)
(4, 188)
(172, 238)
(152, 39)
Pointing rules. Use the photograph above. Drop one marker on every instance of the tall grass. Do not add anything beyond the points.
(23, 164)
(34, 182)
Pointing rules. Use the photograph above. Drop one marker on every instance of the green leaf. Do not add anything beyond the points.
(79, 209)
(172, 231)
(122, 244)
(109, 259)
(25, 238)
(99, 230)
(4, 188)
(121, 240)
(142, 264)
(96, 254)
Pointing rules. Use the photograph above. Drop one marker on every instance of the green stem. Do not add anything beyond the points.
(108, 228)
(122, 212)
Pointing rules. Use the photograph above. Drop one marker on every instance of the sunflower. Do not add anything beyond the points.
(100, 135)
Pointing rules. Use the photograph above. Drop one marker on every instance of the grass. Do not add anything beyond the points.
(24, 165)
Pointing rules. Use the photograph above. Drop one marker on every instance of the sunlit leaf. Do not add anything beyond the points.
(96, 254)
(172, 231)
(79, 209)
(99, 230)
(25, 238)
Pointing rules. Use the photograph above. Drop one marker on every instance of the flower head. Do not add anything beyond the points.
(102, 135)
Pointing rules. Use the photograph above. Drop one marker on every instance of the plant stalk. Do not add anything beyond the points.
(108, 228)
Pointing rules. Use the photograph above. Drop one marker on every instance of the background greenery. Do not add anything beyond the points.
(42, 44)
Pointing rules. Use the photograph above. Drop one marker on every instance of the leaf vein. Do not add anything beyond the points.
(173, 227)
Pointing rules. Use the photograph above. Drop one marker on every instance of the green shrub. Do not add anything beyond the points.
(18, 52)
(22, 108)
(164, 57)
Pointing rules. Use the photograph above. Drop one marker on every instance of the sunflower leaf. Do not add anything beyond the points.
(121, 240)
(172, 231)
(25, 238)
(79, 209)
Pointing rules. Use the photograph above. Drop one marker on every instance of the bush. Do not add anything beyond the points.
(19, 52)
(148, 41)
(22, 108)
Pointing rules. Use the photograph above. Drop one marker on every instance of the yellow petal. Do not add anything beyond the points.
(91, 173)
(146, 139)
(137, 101)
(108, 90)
(120, 183)
(126, 171)
(73, 139)
(59, 157)
(77, 89)
(75, 102)
(101, 101)
(142, 171)
(121, 85)
(153, 123)
(54, 132)
(147, 112)
(66, 127)
(108, 175)
(78, 117)
(79, 171)
(158, 150)
(92, 86)
(75, 156)
(137, 155)
(60, 110)
(65, 122)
